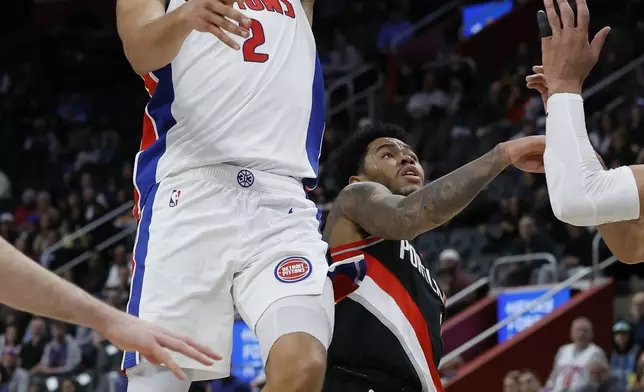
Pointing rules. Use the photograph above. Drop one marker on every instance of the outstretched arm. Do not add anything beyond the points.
(582, 192)
(27, 286)
(380, 213)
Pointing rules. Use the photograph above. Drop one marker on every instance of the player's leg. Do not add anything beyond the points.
(283, 292)
(294, 333)
(181, 280)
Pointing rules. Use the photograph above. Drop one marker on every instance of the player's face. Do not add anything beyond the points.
(393, 164)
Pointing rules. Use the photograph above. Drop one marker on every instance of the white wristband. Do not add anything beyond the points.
(581, 192)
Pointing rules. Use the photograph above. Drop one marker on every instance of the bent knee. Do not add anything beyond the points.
(297, 359)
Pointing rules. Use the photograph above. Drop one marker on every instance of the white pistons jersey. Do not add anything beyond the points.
(261, 107)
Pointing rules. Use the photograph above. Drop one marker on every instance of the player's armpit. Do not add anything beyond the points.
(308, 9)
(626, 239)
(380, 213)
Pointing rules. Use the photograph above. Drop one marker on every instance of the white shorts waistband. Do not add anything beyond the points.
(243, 178)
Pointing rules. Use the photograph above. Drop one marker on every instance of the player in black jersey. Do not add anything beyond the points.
(389, 311)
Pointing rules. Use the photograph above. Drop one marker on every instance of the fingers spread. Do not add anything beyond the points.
(553, 18)
(228, 12)
(583, 15)
(567, 16)
(192, 343)
(183, 348)
(224, 24)
(219, 33)
(536, 78)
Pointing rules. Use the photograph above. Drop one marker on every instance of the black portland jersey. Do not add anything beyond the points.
(388, 314)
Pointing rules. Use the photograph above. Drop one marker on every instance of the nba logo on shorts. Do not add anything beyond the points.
(293, 269)
(174, 198)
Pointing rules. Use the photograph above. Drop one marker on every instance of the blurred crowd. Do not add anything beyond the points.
(582, 366)
(70, 114)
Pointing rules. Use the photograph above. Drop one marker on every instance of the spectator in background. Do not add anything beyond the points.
(108, 364)
(32, 349)
(61, 355)
(115, 298)
(599, 378)
(529, 382)
(450, 267)
(344, 57)
(396, 27)
(119, 259)
(623, 360)
(27, 207)
(637, 317)
(9, 339)
(36, 387)
(600, 137)
(13, 377)
(531, 240)
(95, 275)
(67, 385)
(577, 250)
(421, 103)
(570, 369)
(511, 382)
(7, 230)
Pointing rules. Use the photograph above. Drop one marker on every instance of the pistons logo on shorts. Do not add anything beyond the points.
(293, 269)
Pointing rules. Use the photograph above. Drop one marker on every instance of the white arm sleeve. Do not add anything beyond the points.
(581, 192)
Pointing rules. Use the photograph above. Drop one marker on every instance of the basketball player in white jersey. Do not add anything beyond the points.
(582, 192)
(231, 140)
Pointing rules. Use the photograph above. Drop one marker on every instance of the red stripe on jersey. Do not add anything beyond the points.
(149, 135)
(392, 286)
(135, 210)
(150, 83)
(355, 244)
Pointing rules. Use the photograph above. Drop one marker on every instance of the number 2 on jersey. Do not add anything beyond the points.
(256, 40)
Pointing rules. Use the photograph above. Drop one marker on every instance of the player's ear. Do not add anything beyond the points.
(354, 179)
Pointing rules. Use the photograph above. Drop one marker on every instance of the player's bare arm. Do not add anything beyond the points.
(377, 211)
(27, 286)
(582, 191)
(151, 38)
(308, 9)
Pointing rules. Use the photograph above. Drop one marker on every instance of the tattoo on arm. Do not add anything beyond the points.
(382, 214)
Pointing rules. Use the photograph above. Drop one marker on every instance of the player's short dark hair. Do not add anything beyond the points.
(348, 159)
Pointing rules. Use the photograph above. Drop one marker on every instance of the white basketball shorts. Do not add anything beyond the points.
(212, 237)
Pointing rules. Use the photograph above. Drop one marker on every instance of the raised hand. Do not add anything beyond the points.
(568, 56)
